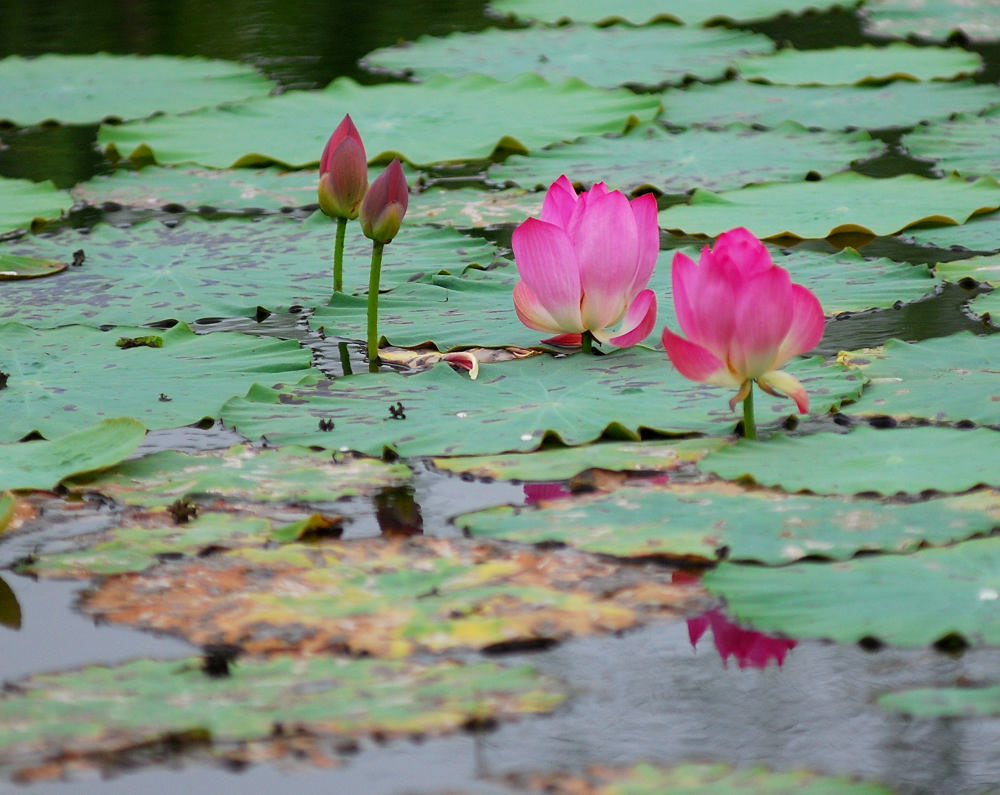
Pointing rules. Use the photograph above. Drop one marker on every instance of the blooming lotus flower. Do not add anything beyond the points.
(343, 172)
(384, 205)
(585, 264)
(743, 319)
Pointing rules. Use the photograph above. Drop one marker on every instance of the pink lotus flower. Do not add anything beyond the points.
(743, 319)
(385, 204)
(751, 649)
(343, 172)
(584, 266)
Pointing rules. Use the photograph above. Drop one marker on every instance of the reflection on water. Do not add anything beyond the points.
(749, 648)
(397, 512)
(10, 610)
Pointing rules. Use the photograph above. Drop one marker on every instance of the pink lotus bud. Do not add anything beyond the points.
(385, 204)
(743, 319)
(343, 172)
(585, 264)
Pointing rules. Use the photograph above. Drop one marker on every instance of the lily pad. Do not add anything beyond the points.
(43, 464)
(71, 377)
(980, 233)
(946, 379)
(15, 267)
(843, 203)
(105, 710)
(988, 306)
(605, 57)
(24, 204)
(7, 504)
(968, 701)
(905, 600)
(485, 116)
(932, 20)
(859, 65)
(866, 460)
(513, 406)
(967, 144)
(385, 597)
(983, 269)
(242, 473)
(709, 524)
(562, 463)
(649, 156)
(85, 89)
(899, 104)
(201, 269)
(471, 208)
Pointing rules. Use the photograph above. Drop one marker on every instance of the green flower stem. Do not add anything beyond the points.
(587, 342)
(373, 280)
(338, 257)
(345, 358)
(749, 425)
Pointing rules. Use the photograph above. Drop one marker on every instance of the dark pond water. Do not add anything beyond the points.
(647, 695)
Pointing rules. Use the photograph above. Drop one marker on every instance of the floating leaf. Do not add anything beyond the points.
(967, 144)
(467, 208)
(968, 701)
(15, 267)
(867, 64)
(404, 119)
(512, 406)
(841, 203)
(709, 523)
(932, 19)
(946, 379)
(677, 162)
(24, 203)
(899, 104)
(605, 57)
(988, 306)
(67, 378)
(7, 505)
(243, 473)
(43, 464)
(385, 597)
(982, 269)
(981, 233)
(906, 600)
(103, 710)
(865, 460)
(203, 269)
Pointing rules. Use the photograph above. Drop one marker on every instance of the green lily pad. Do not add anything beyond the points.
(980, 233)
(15, 267)
(933, 20)
(71, 377)
(395, 119)
(943, 702)
(242, 473)
(605, 57)
(987, 306)
(858, 65)
(7, 504)
(640, 12)
(562, 463)
(151, 273)
(899, 104)
(513, 406)
(103, 710)
(85, 89)
(471, 208)
(24, 204)
(905, 600)
(967, 144)
(946, 379)
(43, 464)
(384, 597)
(842, 203)
(983, 269)
(708, 524)
(865, 460)
(675, 163)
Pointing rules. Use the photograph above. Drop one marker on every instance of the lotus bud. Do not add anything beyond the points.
(385, 204)
(343, 172)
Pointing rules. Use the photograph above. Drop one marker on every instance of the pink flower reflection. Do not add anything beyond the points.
(533, 492)
(751, 649)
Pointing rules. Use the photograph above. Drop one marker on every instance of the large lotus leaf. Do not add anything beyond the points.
(946, 379)
(484, 115)
(242, 473)
(982, 269)
(933, 19)
(67, 378)
(150, 272)
(988, 306)
(562, 463)
(84, 89)
(639, 12)
(899, 104)
(968, 144)
(968, 701)
(865, 460)
(43, 464)
(867, 64)
(906, 600)
(981, 233)
(103, 710)
(842, 203)
(469, 208)
(385, 597)
(514, 406)
(711, 523)
(23, 203)
(677, 162)
(606, 57)
(14, 267)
